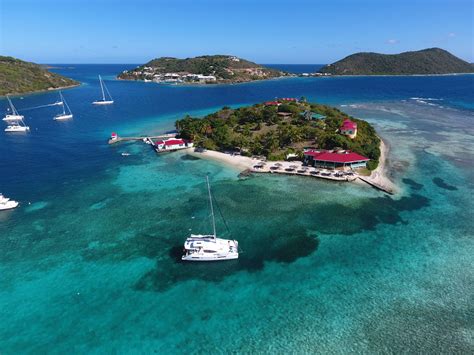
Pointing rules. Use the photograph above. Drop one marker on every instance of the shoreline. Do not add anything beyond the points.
(212, 84)
(378, 177)
(42, 91)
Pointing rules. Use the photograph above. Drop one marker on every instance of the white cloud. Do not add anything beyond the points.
(392, 41)
(451, 34)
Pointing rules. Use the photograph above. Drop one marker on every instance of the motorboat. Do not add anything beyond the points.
(6, 203)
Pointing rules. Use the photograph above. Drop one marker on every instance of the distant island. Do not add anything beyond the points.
(426, 61)
(209, 69)
(20, 77)
(283, 128)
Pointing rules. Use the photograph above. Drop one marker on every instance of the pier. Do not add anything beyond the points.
(116, 138)
(378, 186)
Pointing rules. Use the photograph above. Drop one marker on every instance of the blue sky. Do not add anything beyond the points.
(297, 31)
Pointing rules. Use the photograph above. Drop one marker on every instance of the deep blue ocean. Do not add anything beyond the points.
(88, 262)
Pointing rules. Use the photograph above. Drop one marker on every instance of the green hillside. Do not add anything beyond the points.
(426, 61)
(20, 77)
(225, 68)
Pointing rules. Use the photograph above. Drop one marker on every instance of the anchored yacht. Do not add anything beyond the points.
(14, 115)
(6, 203)
(104, 100)
(67, 113)
(199, 247)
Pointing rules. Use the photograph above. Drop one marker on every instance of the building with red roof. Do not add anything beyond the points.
(272, 103)
(342, 159)
(348, 128)
(172, 144)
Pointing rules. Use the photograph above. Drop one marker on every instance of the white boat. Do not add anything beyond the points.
(66, 114)
(103, 88)
(6, 203)
(14, 115)
(17, 128)
(200, 247)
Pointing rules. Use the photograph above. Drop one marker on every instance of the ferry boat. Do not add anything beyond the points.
(207, 247)
(104, 100)
(171, 145)
(6, 203)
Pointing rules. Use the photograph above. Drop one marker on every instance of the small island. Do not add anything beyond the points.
(429, 61)
(20, 77)
(209, 69)
(281, 129)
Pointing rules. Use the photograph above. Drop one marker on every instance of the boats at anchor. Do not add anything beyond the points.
(14, 120)
(207, 247)
(106, 100)
(6, 203)
(67, 113)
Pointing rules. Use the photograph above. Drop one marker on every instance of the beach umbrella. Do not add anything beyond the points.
(293, 166)
(278, 164)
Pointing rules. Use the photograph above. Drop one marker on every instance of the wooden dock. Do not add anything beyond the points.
(129, 139)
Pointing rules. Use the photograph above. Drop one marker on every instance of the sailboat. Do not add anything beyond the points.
(14, 115)
(104, 101)
(14, 120)
(199, 247)
(66, 114)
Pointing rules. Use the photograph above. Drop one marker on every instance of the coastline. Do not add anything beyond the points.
(378, 177)
(214, 84)
(41, 91)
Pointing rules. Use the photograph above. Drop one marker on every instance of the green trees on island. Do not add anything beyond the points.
(276, 131)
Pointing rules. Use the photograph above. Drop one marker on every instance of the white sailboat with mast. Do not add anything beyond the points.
(14, 120)
(199, 247)
(12, 115)
(67, 113)
(104, 100)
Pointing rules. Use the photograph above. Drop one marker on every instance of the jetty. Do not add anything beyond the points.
(387, 189)
(115, 138)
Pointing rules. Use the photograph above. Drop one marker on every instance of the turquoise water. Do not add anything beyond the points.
(91, 265)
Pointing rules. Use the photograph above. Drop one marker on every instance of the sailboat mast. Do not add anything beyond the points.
(212, 207)
(62, 100)
(14, 111)
(102, 88)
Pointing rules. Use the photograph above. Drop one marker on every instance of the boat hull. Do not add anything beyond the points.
(8, 205)
(17, 129)
(62, 117)
(110, 102)
(206, 258)
(209, 248)
(12, 118)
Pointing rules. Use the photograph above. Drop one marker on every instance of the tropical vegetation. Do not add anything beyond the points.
(275, 131)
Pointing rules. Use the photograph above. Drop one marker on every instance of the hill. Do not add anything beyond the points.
(274, 131)
(20, 77)
(204, 69)
(426, 61)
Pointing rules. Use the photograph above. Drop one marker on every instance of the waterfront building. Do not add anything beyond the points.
(329, 159)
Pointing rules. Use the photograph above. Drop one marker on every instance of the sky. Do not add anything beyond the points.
(276, 31)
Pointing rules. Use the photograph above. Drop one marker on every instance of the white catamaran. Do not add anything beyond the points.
(104, 89)
(67, 113)
(200, 247)
(14, 120)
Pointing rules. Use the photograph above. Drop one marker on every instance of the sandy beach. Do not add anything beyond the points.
(380, 175)
(377, 177)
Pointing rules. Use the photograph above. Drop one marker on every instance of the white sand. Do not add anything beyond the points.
(379, 175)
(236, 161)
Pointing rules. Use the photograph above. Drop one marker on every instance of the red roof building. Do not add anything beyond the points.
(342, 159)
(172, 144)
(272, 103)
(348, 128)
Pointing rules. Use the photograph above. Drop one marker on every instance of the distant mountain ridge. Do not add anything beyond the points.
(20, 77)
(224, 68)
(426, 61)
